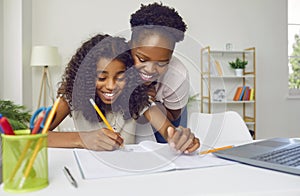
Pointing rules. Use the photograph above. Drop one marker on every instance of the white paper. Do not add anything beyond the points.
(145, 157)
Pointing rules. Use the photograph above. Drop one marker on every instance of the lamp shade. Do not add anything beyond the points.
(44, 56)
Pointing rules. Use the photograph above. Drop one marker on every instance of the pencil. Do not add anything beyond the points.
(215, 149)
(38, 123)
(39, 143)
(51, 115)
(101, 115)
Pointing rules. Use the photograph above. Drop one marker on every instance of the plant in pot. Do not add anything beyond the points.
(17, 115)
(238, 65)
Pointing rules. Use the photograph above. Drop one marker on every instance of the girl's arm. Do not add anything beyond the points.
(99, 140)
(102, 139)
(63, 110)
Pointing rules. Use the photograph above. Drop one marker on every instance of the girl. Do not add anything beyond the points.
(104, 63)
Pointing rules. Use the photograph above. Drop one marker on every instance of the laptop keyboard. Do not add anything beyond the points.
(289, 156)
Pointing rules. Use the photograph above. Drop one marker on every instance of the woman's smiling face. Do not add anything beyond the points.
(110, 79)
(151, 56)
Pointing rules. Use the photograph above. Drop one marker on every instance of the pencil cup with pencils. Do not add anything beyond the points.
(25, 162)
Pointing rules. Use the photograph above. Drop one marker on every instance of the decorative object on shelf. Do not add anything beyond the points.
(45, 56)
(219, 95)
(229, 46)
(238, 65)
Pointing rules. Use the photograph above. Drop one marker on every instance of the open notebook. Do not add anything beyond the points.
(281, 154)
(145, 157)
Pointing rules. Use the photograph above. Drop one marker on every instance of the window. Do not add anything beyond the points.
(294, 47)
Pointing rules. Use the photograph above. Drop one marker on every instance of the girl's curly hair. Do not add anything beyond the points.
(158, 17)
(78, 83)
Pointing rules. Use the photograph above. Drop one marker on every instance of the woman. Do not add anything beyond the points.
(155, 31)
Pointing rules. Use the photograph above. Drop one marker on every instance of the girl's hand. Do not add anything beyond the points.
(101, 140)
(182, 140)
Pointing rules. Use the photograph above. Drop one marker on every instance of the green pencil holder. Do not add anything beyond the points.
(24, 162)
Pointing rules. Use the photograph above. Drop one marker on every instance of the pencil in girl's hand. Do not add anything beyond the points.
(101, 114)
(104, 119)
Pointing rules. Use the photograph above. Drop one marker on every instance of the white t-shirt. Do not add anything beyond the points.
(173, 87)
(131, 131)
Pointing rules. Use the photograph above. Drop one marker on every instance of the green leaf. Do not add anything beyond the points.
(238, 64)
(17, 115)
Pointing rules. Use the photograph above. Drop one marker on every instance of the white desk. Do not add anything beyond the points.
(237, 179)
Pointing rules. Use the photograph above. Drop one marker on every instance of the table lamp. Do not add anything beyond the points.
(45, 56)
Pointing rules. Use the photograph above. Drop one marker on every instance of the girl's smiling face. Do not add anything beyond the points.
(110, 79)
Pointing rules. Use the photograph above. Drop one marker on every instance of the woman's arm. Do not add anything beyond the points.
(181, 139)
(158, 120)
(171, 114)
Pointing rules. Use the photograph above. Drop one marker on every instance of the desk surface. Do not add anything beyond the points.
(237, 179)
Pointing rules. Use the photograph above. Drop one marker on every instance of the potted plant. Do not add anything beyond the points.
(17, 115)
(238, 65)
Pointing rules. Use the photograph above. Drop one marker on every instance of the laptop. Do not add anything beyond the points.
(280, 154)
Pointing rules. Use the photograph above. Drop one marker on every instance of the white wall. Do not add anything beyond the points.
(259, 23)
(12, 50)
(15, 39)
(26, 53)
(1, 48)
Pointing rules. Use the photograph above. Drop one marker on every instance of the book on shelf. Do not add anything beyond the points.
(218, 68)
(251, 94)
(242, 93)
(213, 71)
(237, 93)
(215, 68)
(246, 94)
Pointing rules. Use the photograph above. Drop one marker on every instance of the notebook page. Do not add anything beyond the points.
(143, 158)
(132, 161)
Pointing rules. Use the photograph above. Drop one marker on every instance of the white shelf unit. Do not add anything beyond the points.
(226, 82)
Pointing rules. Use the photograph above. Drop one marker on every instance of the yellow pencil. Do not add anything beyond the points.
(215, 149)
(39, 143)
(51, 115)
(101, 115)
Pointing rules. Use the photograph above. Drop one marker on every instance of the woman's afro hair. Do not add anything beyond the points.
(156, 14)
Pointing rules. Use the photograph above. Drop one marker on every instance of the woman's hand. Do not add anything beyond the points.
(101, 140)
(152, 93)
(182, 140)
